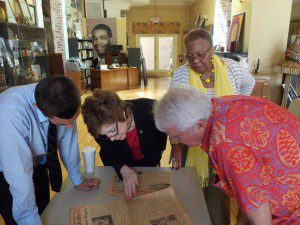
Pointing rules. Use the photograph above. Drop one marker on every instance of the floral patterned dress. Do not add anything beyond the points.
(255, 148)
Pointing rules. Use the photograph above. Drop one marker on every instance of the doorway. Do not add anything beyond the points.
(159, 52)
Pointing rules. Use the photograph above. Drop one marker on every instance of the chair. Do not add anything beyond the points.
(295, 107)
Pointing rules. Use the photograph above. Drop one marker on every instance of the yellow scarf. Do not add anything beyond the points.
(196, 157)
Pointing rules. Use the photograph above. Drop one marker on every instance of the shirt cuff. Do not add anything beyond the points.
(76, 178)
(31, 220)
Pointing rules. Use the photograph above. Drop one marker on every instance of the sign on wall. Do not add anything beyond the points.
(156, 28)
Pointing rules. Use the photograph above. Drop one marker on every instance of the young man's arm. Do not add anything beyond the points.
(17, 166)
(69, 153)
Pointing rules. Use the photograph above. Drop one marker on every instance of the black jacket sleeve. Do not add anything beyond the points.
(115, 154)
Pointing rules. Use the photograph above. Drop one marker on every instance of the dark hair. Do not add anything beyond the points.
(103, 27)
(103, 107)
(57, 96)
(197, 33)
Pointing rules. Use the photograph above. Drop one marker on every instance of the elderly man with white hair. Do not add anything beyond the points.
(253, 144)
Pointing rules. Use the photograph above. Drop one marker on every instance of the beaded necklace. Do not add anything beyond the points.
(212, 77)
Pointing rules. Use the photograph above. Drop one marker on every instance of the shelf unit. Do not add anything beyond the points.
(78, 78)
(81, 48)
(23, 55)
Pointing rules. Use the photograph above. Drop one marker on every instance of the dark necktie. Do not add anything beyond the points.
(53, 164)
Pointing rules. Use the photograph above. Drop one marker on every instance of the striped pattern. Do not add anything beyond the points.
(241, 80)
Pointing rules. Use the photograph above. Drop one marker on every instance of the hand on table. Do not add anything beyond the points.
(129, 181)
(176, 156)
(88, 184)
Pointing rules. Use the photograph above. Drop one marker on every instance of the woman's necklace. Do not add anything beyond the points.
(210, 79)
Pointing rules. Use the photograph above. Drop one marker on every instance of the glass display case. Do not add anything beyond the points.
(23, 54)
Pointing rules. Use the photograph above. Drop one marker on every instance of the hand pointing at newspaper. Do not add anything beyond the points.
(129, 181)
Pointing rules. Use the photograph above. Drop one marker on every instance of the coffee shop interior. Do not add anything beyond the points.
(134, 46)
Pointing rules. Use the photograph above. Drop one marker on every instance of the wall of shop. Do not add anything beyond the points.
(203, 7)
(121, 32)
(268, 38)
(166, 14)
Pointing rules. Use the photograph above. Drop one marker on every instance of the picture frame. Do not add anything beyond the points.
(17, 11)
(9, 13)
(26, 12)
(33, 14)
(236, 27)
(3, 16)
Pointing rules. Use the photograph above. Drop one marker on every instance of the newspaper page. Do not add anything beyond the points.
(158, 208)
(111, 213)
(161, 207)
(148, 182)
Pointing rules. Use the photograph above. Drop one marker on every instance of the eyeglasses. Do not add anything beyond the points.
(112, 132)
(200, 57)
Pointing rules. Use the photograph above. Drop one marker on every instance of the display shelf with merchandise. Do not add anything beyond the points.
(81, 48)
(24, 54)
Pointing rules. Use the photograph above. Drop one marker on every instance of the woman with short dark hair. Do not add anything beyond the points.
(126, 133)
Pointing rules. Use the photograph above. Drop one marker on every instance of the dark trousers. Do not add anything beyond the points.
(218, 203)
(42, 194)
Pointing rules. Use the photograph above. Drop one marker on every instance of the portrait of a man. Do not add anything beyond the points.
(102, 39)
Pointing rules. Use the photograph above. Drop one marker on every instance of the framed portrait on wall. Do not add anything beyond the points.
(237, 23)
(104, 34)
(25, 10)
(32, 13)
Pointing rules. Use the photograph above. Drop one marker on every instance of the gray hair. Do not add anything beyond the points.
(181, 107)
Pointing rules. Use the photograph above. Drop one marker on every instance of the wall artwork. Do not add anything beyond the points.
(104, 35)
(156, 28)
(235, 32)
(74, 18)
(32, 12)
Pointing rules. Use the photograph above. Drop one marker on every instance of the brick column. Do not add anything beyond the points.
(56, 9)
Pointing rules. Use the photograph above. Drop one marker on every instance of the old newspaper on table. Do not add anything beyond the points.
(158, 208)
(148, 182)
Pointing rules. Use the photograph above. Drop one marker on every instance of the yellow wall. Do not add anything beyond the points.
(204, 7)
(245, 7)
(166, 14)
(84, 31)
(121, 32)
(268, 38)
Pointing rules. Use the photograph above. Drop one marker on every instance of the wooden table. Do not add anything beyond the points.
(124, 78)
(184, 181)
(262, 86)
